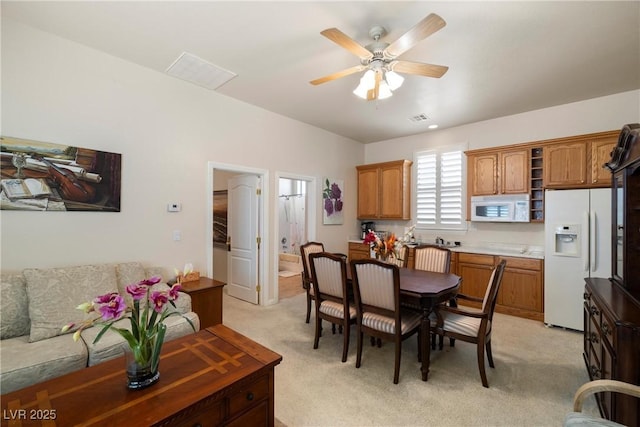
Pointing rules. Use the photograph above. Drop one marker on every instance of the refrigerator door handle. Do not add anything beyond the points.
(593, 259)
(585, 240)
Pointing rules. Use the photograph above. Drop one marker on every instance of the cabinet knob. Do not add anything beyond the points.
(250, 396)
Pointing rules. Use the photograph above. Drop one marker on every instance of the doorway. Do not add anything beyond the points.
(219, 176)
(295, 209)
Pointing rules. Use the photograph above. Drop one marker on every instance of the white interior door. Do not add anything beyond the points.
(243, 237)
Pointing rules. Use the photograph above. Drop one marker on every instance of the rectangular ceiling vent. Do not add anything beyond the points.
(419, 118)
(196, 70)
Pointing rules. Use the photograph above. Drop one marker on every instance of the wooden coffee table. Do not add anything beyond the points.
(212, 377)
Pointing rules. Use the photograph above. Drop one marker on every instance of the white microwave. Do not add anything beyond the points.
(504, 208)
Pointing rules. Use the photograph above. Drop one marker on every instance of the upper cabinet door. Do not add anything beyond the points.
(514, 172)
(565, 165)
(601, 154)
(384, 190)
(391, 200)
(483, 174)
(368, 193)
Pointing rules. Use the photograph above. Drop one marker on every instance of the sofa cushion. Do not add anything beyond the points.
(55, 293)
(25, 363)
(129, 273)
(110, 344)
(14, 306)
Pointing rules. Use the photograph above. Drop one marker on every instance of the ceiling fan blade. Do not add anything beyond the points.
(373, 93)
(420, 31)
(341, 39)
(338, 75)
(427, 70)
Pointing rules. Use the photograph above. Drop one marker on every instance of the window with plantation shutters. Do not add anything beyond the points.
(439, 188)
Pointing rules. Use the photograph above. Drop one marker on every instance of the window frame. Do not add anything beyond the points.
(439, 151)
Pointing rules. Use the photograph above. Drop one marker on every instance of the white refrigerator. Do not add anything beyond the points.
(577, 228)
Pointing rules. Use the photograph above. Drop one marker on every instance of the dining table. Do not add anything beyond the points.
(424, 290)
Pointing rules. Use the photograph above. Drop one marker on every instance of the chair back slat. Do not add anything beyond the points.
(306, 250)
(328, 275)
(432, 258)
(376, 285)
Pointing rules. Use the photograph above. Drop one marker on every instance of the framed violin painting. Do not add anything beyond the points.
(44, 176)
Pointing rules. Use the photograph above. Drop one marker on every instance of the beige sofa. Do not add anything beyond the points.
(36, 303)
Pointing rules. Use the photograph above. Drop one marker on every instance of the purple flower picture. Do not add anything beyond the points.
(332, 201)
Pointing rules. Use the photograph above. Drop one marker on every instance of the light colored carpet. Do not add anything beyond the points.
(537, 372)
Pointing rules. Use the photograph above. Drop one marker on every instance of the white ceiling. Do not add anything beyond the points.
(504, 57)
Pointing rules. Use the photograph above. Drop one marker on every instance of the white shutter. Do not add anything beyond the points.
(439, 188)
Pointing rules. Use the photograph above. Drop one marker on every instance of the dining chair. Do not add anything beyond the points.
(307, 282)
(473, 325)
(376, 288)
(329, 272)
(432, 258)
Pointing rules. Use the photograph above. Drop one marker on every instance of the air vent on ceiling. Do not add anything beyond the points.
(196, 70)
(419, 118)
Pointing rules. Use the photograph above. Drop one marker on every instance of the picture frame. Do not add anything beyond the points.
(220, 200)
(46, 176)
(333, 201)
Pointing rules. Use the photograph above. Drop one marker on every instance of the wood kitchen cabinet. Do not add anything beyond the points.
(498, 172)
(358, 251)
(475, 270)
(384, 190)
(521, 291)
(577, 162)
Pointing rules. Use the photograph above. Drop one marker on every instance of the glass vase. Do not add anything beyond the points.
(140, 372)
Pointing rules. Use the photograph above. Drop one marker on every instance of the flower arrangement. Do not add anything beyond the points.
(147, 317)
(383, 248)
(391, 246)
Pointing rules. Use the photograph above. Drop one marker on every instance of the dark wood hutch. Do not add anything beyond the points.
(612, 305)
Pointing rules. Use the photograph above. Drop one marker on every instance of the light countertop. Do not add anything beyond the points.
(522, 251)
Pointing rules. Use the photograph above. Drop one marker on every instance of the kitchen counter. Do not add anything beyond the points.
(522, 251)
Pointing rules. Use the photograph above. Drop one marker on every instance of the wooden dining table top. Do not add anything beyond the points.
(421, 283)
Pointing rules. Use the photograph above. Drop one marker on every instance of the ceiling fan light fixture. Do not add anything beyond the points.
(383, 91)
(367, 82)
(394, 80)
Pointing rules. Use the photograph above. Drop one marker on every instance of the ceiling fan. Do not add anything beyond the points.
(379, 59)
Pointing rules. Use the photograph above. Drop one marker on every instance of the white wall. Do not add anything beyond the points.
(166, 130)
(595, 115)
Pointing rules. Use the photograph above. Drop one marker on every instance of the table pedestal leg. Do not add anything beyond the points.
(425, 331)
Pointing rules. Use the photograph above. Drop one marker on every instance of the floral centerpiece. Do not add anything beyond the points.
(384, 248)
(390, 247)
(147, 315)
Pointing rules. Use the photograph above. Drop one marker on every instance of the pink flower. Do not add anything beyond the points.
(159, 299)
(111, 308)
(173, 292)
(136, 291)
(151, 281)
